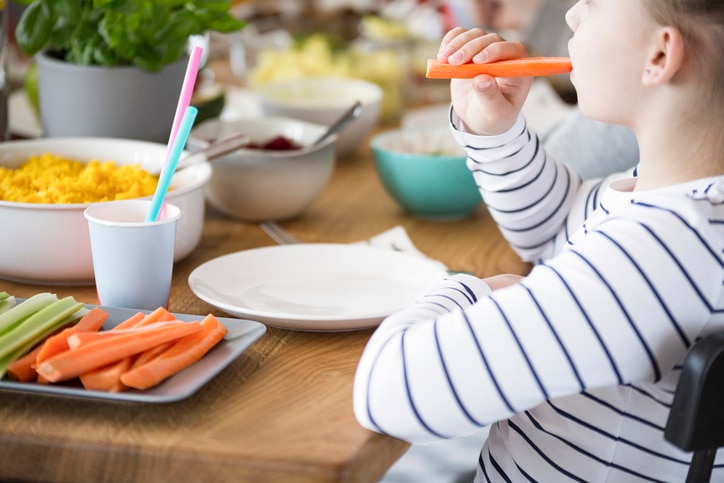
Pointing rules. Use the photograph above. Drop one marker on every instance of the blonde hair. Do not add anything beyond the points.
(701, 23)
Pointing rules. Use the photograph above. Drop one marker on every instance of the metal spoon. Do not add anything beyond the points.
(350, 115)
(218, 147)
(232, 142)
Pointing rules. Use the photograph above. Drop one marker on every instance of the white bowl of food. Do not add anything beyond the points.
(275, 179)
(48, 242)
(323, 100)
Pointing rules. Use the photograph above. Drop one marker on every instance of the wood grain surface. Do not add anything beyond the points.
(283, 410)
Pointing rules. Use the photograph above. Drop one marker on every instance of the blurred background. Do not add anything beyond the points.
(384, 41)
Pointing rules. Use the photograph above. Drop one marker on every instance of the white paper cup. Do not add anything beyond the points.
(132, 259)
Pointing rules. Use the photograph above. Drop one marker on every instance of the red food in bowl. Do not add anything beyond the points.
(278, 143)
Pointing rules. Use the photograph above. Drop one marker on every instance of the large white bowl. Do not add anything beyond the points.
(49, 243)
(322, 100)
(256, 185)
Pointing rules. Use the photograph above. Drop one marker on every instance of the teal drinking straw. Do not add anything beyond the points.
(164, 179)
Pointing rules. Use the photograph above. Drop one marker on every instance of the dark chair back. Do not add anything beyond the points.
(696, 421)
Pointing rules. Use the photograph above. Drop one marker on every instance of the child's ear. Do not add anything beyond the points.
(666, 57)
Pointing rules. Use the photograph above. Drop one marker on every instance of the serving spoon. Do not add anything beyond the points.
(232, 142)
(349, 115)
(218, 147)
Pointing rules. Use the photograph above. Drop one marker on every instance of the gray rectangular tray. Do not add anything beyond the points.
(242, 334)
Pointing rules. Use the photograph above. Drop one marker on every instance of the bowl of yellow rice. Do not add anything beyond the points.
(46, 185)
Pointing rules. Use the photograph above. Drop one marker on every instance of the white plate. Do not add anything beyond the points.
(315, 287)
(241, 335)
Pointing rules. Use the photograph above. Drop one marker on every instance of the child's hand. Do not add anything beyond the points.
(487, 105)
(497, 282)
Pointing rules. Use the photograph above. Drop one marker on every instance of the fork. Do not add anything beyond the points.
(277, 233)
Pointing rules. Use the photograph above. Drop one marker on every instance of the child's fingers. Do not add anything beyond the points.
(445, 49)
(448, 37)
(501, 50)
(460, 45)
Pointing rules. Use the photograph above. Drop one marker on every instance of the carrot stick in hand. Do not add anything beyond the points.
(525, 67)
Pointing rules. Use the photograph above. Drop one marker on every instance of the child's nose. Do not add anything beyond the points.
(573, 16)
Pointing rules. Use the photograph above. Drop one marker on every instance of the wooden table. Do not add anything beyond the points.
(282, 411)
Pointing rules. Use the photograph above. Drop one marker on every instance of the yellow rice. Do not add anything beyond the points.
(49, 178)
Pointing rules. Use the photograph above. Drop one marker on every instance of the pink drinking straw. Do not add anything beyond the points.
(184, 101)
(187, 90)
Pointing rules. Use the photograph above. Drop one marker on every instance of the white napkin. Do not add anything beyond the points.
(397, 239)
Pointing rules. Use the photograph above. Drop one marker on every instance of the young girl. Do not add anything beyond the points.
(574, 366)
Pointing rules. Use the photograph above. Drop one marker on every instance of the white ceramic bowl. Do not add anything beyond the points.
(256, 185)
(322, 100)
(49, 243)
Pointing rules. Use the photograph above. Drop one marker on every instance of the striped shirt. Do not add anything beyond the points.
(574, 368)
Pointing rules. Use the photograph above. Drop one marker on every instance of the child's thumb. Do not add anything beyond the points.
(486, 86)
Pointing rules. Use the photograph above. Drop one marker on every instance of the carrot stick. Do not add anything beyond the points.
(107, 378)
(54, 345)
(130, 321)
(142, 319)
(525, 67)
(82, 338)
(158, 315)
(151, 354)
(90, 322)
(22, 369)
(91, 356)
(182, 354)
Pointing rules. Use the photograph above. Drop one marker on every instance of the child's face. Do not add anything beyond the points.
(608, 51)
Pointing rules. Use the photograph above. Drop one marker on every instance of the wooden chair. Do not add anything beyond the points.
(696, 422)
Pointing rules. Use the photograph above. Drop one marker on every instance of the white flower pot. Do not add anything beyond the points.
(121, 102)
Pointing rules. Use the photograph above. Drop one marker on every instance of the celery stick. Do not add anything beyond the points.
(12, 317)
(8, 359)
(7, 302)
(35, 327)
(75, 316)
(21, 351)
(37, 337)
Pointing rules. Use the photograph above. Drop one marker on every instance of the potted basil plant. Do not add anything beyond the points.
(114, 68)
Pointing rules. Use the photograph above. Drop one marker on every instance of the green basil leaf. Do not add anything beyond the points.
(34, 28)
(146, 33)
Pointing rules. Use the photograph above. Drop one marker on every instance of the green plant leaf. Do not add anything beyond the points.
(35, 27)
(69, 9)
(146, 33)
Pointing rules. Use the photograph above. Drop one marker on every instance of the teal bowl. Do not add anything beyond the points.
(424, 170)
